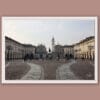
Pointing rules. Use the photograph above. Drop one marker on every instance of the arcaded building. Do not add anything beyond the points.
(85, 49)
(17, 50)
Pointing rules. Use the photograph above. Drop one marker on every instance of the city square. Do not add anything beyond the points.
(61, 64)
(50, 56)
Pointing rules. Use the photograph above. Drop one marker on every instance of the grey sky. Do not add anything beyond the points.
(40, 31)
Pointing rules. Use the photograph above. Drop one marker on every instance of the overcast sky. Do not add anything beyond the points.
(40, 31)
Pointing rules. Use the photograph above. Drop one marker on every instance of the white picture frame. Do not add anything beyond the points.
(95, 81)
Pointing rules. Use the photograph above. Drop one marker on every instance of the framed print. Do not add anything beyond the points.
(50, 50)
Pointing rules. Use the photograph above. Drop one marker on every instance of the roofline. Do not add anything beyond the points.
(84, 40)
(25, 45)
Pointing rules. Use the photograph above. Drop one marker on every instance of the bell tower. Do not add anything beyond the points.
(53, 44)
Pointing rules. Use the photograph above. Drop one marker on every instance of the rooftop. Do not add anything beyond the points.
(25, 45)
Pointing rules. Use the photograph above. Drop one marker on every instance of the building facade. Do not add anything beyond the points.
(16, 50)
(68, 51)
(85, 49)
(59, 51)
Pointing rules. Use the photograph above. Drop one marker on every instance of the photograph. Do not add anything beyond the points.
(49, 50)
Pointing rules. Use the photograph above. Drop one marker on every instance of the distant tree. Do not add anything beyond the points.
(41, 51)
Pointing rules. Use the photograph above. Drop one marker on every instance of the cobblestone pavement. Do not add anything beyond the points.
(64, 72)
(16, 70)
(84, 69)
(50, 67)
(36, 73)
(52, 70)
(7, 63)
